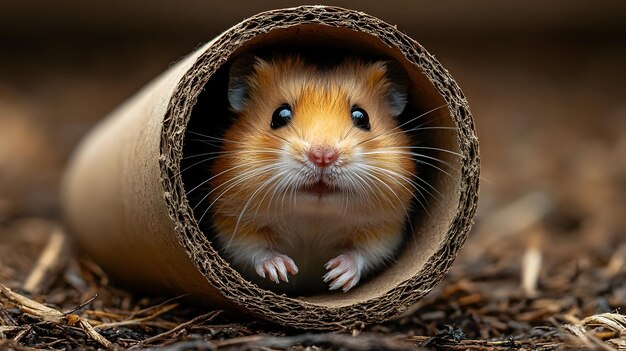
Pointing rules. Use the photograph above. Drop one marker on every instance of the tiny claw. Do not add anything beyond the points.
(350, 284)
(272, 272)
(275, 267)
(345, 272)
(332, 263)
(334, 286)
(259, 270)
(291, 265)
(280, 268)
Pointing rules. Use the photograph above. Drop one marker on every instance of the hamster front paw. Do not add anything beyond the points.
(345, 271)
(275, 266)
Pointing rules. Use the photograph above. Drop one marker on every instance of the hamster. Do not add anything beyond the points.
(313, 184)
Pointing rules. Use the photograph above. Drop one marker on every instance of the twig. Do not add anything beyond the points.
(89, 330)
(469, 344)
(333, 341)
(48, 314)
(22, 333)
(9, 328)
(32, 307)
(81, 306)
(241, 340)
(166, 302)
(617, 263)
(577, 333)
(531, 264)
(48, 262)
(137, 320)
(612, 321)
(202, 318)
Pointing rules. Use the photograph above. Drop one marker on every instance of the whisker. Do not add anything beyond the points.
(417, 158)
(417, 129)
(383, 183)
(394, 175)
(420, 116)
(244, 175)
(211, 137)
(292, 127)
(414, 196)
(276, 186)
(235, 152)
(245, 207)
(294, 183)
(428, 148)
(391, 151)
(199, 162)
(242, 179)
(372, 191)
(204, 154)
(223, 140)
(271, 188)
(281, 186)
(408, 180)
(210, 143)
(348, 132)
(278, 137)
(284, 190)
(400, 126)
(437, 168)
(220, 173)
(228, 154)
(282, 203)
(377, 170)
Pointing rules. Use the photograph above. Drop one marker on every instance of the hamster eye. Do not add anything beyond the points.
(360, 118)
(281, 116)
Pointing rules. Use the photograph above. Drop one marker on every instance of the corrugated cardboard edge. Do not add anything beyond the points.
(291, 311)
(124, 199)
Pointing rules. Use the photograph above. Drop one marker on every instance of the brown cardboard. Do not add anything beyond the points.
(124, 197)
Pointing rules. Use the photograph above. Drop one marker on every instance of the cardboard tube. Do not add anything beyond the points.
(124, 194)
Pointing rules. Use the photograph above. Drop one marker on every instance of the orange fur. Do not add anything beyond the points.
(250, 202)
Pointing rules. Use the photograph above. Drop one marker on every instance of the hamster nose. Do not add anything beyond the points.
(323, 156)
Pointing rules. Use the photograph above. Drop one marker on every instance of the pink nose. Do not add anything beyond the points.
(323, 156)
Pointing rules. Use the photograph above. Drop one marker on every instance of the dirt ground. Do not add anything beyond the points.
(545, 265)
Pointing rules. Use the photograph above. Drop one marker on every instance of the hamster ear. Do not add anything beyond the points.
(397, 88)
(239, 81)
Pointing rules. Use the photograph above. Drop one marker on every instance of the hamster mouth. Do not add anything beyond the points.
(319, 188)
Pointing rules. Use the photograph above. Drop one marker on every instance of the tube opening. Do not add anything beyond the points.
(427, 117)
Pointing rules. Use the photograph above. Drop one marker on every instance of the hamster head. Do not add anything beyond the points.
(308, 138)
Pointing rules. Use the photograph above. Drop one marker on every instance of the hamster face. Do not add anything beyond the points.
(311, 140)
(314, 178)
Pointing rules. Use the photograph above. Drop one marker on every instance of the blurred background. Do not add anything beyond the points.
(545, 82)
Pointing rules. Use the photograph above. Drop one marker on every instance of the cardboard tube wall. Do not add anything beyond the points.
(124, 195)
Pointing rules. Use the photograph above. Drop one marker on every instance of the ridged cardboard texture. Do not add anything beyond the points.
(124, 197)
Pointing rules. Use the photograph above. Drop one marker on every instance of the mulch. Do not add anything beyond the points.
(544, 267)
(510, 293)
